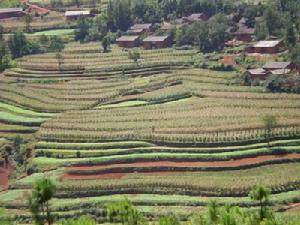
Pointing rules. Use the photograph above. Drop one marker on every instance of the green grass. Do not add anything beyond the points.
(19, 110)
(89, 145)
(11, 195)
(152, 150)
(160, 156)
(53, 32)
(123, 104)
(153, 199)
(11, 117)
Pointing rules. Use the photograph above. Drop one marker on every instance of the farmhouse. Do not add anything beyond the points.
(73, 15)
(258, 74)
(244, 33)
(11, 12)
(271, 66)
(140, 28)
(266, 47)
(195, 17)
(128, 41)
(36, 10)
(157, 42)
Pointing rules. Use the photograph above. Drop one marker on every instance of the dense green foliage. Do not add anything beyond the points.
(38, 202)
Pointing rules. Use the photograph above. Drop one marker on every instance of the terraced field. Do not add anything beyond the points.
(164, 134)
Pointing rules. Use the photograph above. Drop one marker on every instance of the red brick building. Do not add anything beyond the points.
(128, 41)
(266, 47)
(157, 42)
(11, 12)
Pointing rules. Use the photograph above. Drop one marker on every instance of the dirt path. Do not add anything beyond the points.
(157, 165)
(4, 177)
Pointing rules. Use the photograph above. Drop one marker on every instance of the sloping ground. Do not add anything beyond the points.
(192, 139)
(81, 171)
(4, 177)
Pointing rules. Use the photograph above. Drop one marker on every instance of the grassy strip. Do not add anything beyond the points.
(123, 104)
(163, 156)
(70, 153)
(7, 117)
(88, 145)
(53, 32)
(184, 200)
(19, 110)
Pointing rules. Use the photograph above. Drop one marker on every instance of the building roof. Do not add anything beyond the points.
(276, 65)
(77, 13)
(258, 71)
(266, 44)
(245, 30)
(195, 16)
(135, 31)
(128, 38)
(280, 71)
(10, 10)
(143, 26)
(155, 38)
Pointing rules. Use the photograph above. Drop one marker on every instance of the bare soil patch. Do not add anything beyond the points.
(156, 165)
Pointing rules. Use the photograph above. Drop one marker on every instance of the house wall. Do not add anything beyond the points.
(127, 44)
(244, 37)
(158, 44)
(11, 14)
(259, 77)
(266, 50)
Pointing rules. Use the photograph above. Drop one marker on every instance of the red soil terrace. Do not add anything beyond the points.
(4, 177)
(156, 165)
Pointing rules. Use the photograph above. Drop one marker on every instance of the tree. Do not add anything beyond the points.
(125, 212)
(295, 55)
(261, 31)
(17, 44)
(77, 3)
(213, 211)
(105, 43)
(56, 44)
(269, 124)
(291, 37)
(83, 29)
(28, 20)
(1, 32)
(60, 60)
(84, 220)
(134, 55)
(168, 220)
(43, 190)
(4, 220)
(261, 194)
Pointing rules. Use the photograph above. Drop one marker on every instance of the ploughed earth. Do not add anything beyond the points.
(118, 170)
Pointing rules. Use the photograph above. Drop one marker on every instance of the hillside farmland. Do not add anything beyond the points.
(162, 132)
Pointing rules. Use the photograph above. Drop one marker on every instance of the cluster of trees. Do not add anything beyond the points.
(283, 83)
(18, 45)
(125, 213)
(278, 18)
(208, 36)
(16, 153)
(122, 13)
